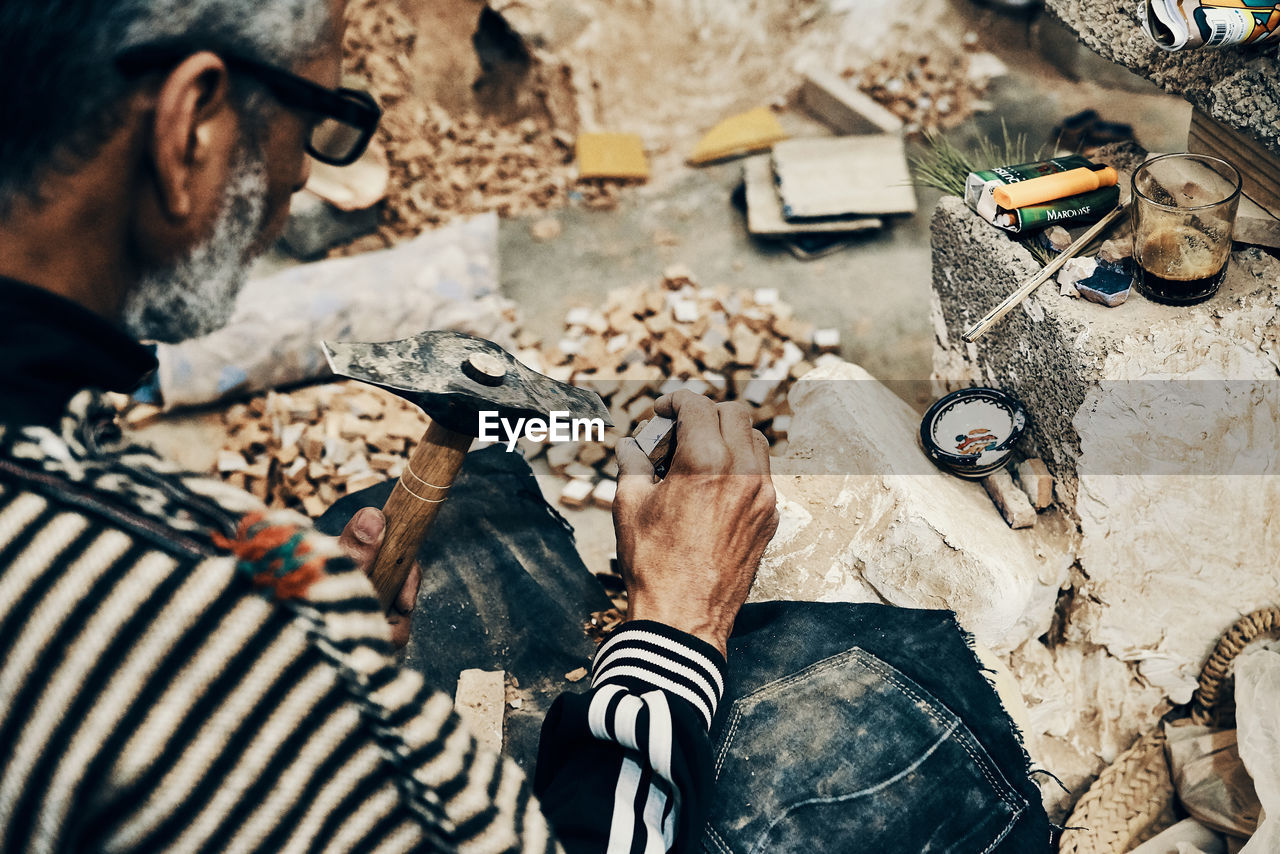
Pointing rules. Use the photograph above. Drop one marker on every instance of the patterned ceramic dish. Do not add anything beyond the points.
(971, 432)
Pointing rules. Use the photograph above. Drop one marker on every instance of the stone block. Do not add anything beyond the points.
(1255, 226)
(866, 517)
(1161, 425)
(1233, 86)
(832, 100)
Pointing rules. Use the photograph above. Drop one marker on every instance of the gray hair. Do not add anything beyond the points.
(64, 92)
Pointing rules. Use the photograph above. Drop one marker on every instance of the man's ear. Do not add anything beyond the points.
(194, 130)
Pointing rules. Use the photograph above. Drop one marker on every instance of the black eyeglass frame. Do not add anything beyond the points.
(350, 106)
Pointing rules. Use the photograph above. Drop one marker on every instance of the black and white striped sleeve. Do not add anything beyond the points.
(627, 767)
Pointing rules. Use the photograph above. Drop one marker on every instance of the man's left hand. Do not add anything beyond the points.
(361, 539)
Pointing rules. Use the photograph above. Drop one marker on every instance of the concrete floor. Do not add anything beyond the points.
(877, 292)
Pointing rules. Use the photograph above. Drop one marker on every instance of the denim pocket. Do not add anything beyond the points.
(851, 755)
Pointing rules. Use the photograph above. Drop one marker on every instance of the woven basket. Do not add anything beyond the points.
(1133, 799)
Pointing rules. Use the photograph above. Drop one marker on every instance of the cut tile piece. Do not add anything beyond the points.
(843, 176)
(604, 494)
(754, 130)
(1011, 501)
(1109, 285)
(1036, 482)
(612, 155)
(577, 493)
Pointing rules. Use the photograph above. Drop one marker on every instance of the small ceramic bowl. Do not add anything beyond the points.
(971, 432)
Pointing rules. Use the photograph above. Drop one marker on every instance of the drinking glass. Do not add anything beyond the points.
(1184, 211)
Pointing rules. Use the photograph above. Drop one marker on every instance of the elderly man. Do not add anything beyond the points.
(184, 671)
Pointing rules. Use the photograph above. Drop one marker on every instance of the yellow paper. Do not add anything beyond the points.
(754, 130)
(612, 155)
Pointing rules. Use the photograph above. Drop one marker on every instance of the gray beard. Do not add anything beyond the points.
(196, 295)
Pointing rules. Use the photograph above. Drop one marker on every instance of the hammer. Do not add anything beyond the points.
(453, 378)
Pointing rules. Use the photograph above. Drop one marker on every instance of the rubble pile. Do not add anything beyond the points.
(932, 91)
(445, 163)
(647, 341)
(306, 449)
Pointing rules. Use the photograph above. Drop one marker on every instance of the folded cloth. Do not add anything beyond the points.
(443, 279)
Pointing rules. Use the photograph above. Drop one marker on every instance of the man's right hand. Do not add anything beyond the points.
(690, 545)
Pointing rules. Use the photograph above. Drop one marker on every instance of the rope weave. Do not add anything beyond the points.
(1210, 704)
(1130, 802)
(1133, 798)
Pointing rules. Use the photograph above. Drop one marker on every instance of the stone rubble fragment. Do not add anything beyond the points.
(1009, 500)
(866, 517)
(1057, 238)
(1076, 270)
(1116, 250)
(1036, 482)
(480, 700)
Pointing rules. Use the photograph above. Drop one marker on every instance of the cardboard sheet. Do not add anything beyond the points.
(764, 208)
(843, 176)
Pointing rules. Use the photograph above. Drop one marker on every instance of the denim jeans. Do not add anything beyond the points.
(865, 728)
(852, 728)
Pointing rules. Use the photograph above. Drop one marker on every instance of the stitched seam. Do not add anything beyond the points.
(1001, 788)
(724, 747)
(720, 843)
(888, 781)
(775, 687)
(812, 670)
(1013, 819)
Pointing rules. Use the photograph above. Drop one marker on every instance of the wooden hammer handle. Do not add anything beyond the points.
(413, 506)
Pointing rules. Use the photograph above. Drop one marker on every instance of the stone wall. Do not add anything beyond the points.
(1239, 87)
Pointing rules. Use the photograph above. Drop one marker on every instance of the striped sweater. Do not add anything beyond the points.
(186, 671)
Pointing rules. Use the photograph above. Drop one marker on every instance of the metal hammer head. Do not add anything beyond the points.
(454, 377)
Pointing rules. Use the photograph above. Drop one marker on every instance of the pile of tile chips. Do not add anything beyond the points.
(648, 341)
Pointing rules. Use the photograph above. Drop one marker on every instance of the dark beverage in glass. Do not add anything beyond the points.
(1184, 208)
(1181, 266)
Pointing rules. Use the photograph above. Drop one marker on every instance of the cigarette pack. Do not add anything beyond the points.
(1074, 210)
